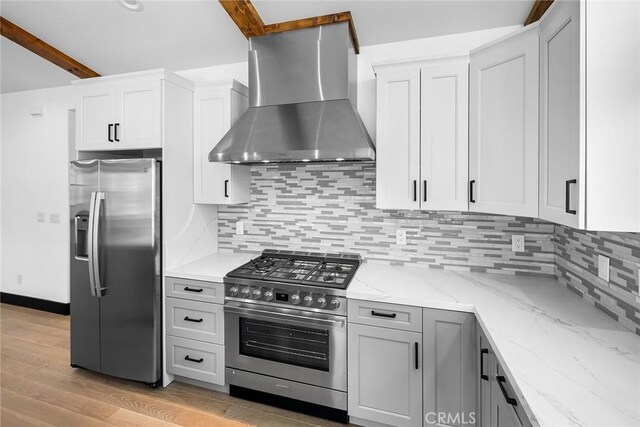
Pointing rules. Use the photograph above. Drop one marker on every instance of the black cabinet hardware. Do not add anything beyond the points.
(567, 196)
(471, 199)
(482, 353)
(226, 188)
(188, 319)
(109, 129)
(388, 315)
(424, 191)
(417, 351)
(193, 360)
(415, 190)
(510, 400)
(188, 289)
(115, 132)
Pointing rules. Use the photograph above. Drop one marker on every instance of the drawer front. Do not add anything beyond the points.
(195, 290)
(196, 360)
(196, 320)
(393, 316)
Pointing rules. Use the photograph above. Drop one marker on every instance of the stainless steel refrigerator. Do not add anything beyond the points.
(115, 267)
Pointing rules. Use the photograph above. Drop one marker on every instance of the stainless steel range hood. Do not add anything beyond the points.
(302, 98)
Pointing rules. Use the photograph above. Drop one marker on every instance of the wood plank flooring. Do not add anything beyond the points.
(39, 388)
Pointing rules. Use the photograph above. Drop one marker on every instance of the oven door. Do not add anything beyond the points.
(299, 346)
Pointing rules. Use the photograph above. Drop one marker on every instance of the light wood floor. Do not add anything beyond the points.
(38, 387)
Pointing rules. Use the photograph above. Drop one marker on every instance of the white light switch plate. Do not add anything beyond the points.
(517, 243)
(54, 218)
(603, 267)
(40, 217)
(401, 237)
(239, 227)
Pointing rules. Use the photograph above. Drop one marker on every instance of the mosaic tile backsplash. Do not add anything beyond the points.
(331, 208)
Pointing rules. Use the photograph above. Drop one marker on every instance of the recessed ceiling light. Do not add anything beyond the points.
(134, 5)
(339, 159)
(265, 161)
(305, 160)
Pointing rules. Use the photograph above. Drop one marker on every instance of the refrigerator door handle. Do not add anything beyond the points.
(94, 232)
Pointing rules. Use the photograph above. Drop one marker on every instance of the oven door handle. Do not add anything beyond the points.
(283, 316)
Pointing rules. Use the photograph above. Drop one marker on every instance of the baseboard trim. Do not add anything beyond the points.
(36, 303)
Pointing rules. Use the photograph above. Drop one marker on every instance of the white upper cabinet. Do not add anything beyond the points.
(590, 115)
(398, 138)
(123, 112)
(422, 146)
(444, 143)
(503, 126)
(216, 108)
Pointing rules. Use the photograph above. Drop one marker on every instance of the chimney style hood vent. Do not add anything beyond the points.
(302, 98)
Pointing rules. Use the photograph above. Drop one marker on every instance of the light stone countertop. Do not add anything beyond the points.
(569, 363)
(212, 268)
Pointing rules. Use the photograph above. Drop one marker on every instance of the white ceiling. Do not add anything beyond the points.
(182, 34)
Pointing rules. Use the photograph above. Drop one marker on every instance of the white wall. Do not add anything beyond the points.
(34, 158)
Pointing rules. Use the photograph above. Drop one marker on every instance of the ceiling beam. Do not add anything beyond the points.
(250, 24)
(44, 50)
(316, 21)
(245, 16)
(537, 10)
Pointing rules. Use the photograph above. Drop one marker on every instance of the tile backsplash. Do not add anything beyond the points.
(331, 208)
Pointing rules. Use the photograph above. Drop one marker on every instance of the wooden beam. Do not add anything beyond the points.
(245, 16)
(27, 40)
(316, 21)
(537, 10)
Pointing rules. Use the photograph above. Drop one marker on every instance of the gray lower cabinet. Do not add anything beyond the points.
(385, 376)
(450, 370)
(484, 358)
(506, 409)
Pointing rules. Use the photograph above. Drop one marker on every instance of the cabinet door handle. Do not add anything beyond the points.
(415, 190)
(188, 319)
(482, 353)
(109, 129)
(471, 199)
(188, 289)
(424, 191)
(388, 315)
(417, 354)
(190, 359)
(567, 196)
(510, 400)
(226, 188)
(115, 132)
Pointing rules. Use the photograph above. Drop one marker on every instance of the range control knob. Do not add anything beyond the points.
(233, 291)
(255, 294)
(295, 299)
(244, 293)
(321, 302)
(334, 304)
(308, 300)
(268, 295)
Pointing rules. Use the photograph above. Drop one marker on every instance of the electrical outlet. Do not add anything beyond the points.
(40, 217)
(239, 227)
(517, 243)
(401, 237)
(19, 279)
(54, 218)
(603, 267)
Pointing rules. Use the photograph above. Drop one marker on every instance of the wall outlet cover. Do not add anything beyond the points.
(517, 243)
(239, 227)
(603, 267)
(40, 217)
(401, 237)
(54, 218)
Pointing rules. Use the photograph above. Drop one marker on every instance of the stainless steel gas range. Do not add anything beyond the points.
(286, 327)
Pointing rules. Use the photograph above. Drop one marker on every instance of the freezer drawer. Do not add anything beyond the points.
(194, 359)
(196, 320)
(194, 290)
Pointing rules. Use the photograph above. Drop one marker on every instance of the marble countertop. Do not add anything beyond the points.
(212, 268)
(569, 363)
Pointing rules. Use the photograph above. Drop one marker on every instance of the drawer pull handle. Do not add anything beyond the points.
(193, 360)
(510, 400)
(188, 289)
(188, 319)
(482, 374)
(387, 315)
